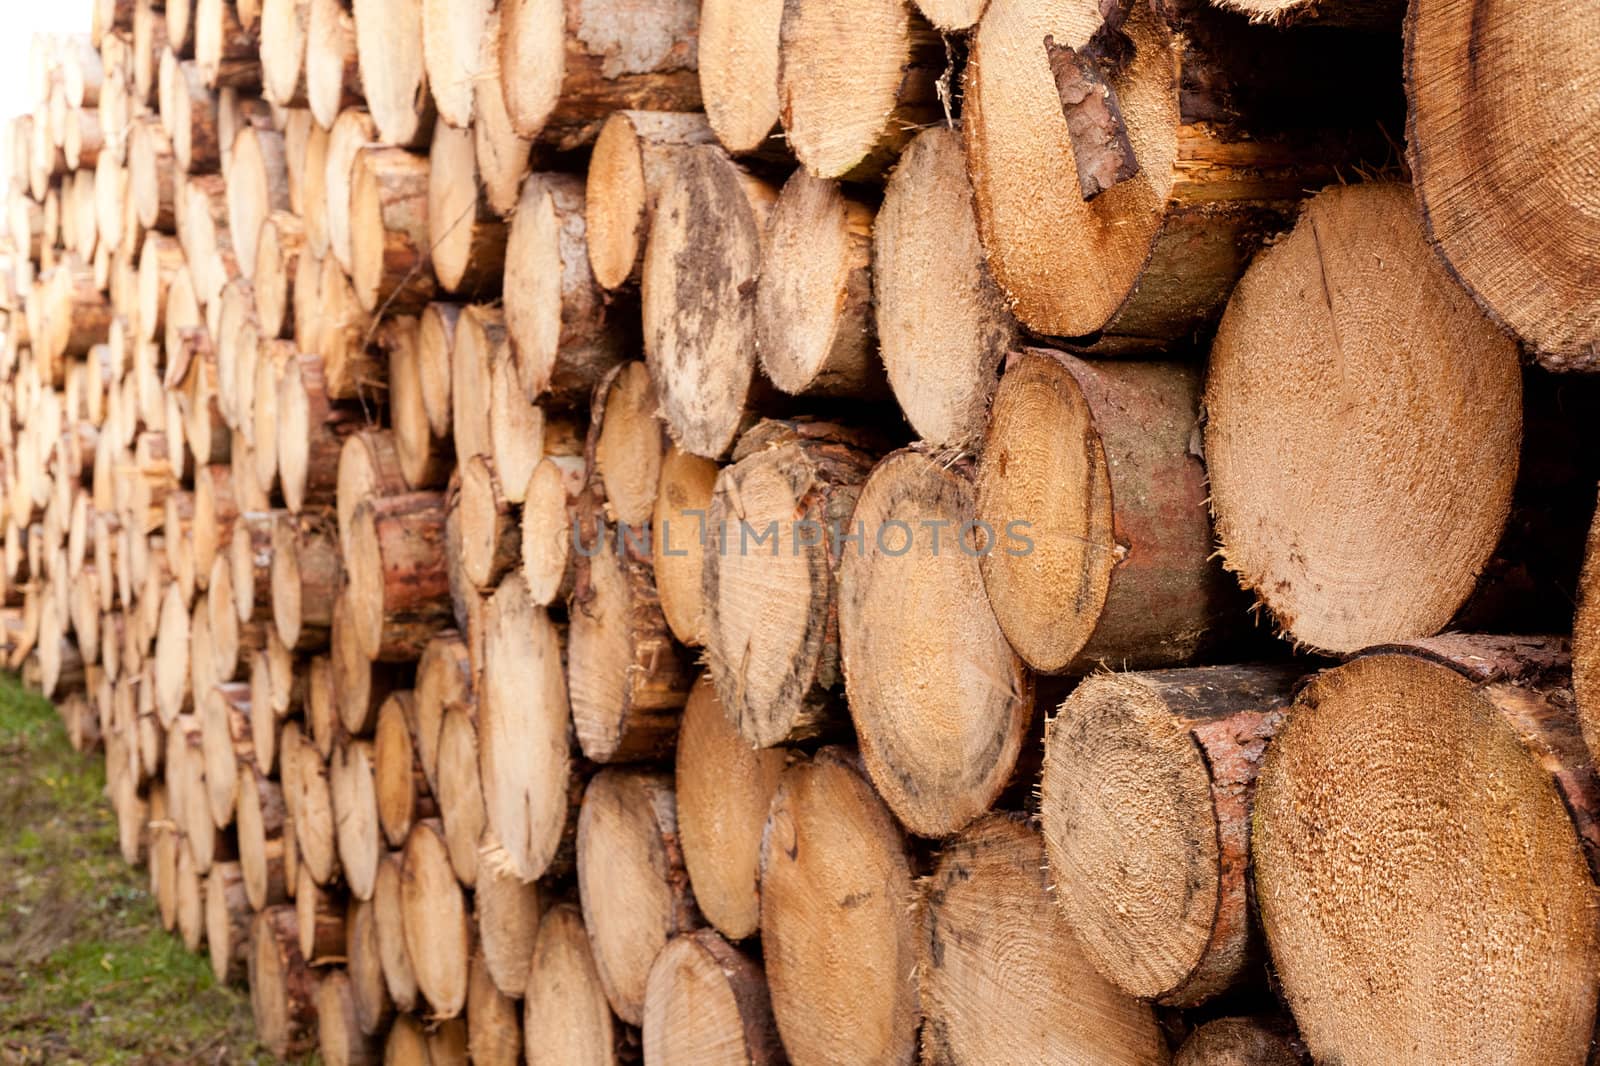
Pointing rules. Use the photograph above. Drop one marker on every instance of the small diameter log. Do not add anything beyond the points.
(548, 504)
(838, 923)
(389, 238)
(225, 51)
(278, 250)
(480, 341)
(564, 333)
(452, 44)
(315, 826)
(522, 433)
(389, 928)
(772, 622)
(333, 71)
(565, 67)
(1221, 151)
(683, 499)
(191, 888)
(344, 339)
(249, 561)
(854, 127)
(360, 685)
(701, 262)
(438, 932)
(445, 675)
(503, 157)
(507, 912)
(353, 785)
(1160, 764)
(1391, 768)
(628, 441)
(466, 237)
(319, 920)
(369, 469)
(152, 181)
(160, 258)
(258, 184)
(306, 574)
(460, 790)
(228, 916)
(705, 1000)
(424, 455)
(630, 157)
(635, 891)
(1488, 180)
(398, 590)
(814, 322)
(225, 736)
(491, 541)
(1089, 482)
(263, 836)
(565, 1016)
(899, 662)
(285, 25)
(394, 75)
(1242, 1042)
(627, 677)
(352, 131)
(942, 323)
(339, 1035)
(494, 1019)
(172, 657)
(364, 964)
(523, 723)
(1586, 642)
(403, 797)
(1436, 441)
(310, 432)
(724, 788)
(215, 511)
(282, 986)
(738, 60)
(1002, 976)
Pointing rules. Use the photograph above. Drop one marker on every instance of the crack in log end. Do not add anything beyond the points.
(1100, 146)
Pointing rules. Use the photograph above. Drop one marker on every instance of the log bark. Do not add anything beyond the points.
(704, 998)
(701, 262)
(838, 928)
(772, 609)
(942, 323)
(390, 243)
(1390, 762)
(1262, 442)
(635, 891)
(282, 986)
(398, 590)
(631, 155)
(565, 67)
(564, 333)
(991, 888)
(1480, 187)
(438, 932)
(1221, 154)
(1162, 764)
(890, 590)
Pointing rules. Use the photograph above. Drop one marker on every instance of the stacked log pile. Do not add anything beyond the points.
(767, 532)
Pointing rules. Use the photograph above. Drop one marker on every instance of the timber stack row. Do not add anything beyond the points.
(758, 531)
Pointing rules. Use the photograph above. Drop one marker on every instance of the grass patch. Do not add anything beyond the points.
(87, 975)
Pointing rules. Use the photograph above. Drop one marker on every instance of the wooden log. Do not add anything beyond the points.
(705, 997)
(564, 68)
(942, 323)
(352, 130)
(394, 74)
(285, 29)
(460, 790)
(424, 456)
(195, 130)
(191, 890)
(445, 675)
(364, 964)
(507, 910)
(494, 1020)
(224, 49)
(398, 589)
(523, 722)
(315, 825)
(1261, 444)
(1482, 189)
(1187, 743)
(369, 468)
(1388, 763)
(889, 589)
(635, 891)
(282, 986)
(837, 925)
(225, 738)
(1037, 996)
(436, 332)
(481, 340)
(703, 253)
(503, 156)
(770, 578)
(466, 236)
(683, 500)
(344, 339)
(389, 237)
(565, 1014)
(277, 265)
(172, 657)
(263, 837)
(631, 155)
(548, 503)
(333, 69)
(1137, 260)
(438, 932)
(452, 46)
(352, 781)
(258, 184)
(491, 539)
(311, 431)
(389, 930)
(738, 60)
(564, 333)
(724, 788)
(359, 685)
(249, 562)
(403, 795)
(628, 442)
(149, 41)
(1247, 1041)
(319, 921)
(306, 574)
(340, 1039)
